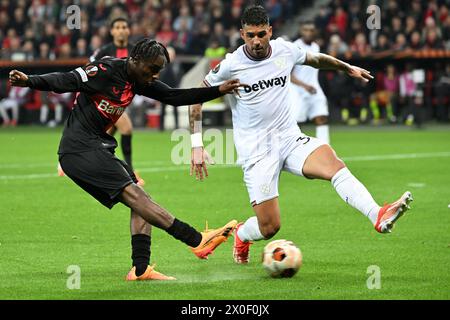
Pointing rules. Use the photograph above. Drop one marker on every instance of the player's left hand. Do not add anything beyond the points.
(359, 73)
(199, 158)
(18, 79)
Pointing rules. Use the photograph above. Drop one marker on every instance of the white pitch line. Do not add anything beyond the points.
(399, 156)
(185, 167)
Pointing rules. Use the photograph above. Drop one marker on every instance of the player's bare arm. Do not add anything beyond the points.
(198, 153)
(324, 61)
(199, 156)
(302, 84)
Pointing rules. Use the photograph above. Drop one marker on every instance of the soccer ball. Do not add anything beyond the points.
(281, 259)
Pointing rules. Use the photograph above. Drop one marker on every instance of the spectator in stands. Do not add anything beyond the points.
(18, 22)
(16, 97)
(184, 21)
(382, 43)
(411, 95)
(391, 85)
(200, 41)
(28, 50)
(166, 34)
(411, 26)
(65, 51)
(432, 40)
(49, 36)
(400, 43)
(95, 44)
(415, 42)
(446, 32)
(337, 47)
(45, 52)
(81, 49)
(221, 35)
(182, 37)
(360, 47)
(321, 21)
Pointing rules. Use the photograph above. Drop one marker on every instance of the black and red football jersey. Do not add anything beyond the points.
(104, 92)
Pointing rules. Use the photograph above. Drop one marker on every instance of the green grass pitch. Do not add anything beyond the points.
(47, 223)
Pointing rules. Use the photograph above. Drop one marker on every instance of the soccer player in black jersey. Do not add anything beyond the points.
(120, 48)
(86, 152)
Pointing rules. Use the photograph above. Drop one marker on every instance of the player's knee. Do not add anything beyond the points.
(134, 195)
(126, 130)
(337, 165)
(269, 230)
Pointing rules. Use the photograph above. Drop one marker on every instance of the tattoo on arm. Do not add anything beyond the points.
(324, 61)
(195, 118)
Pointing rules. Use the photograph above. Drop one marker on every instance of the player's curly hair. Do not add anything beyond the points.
(149, 49)
(254, 15)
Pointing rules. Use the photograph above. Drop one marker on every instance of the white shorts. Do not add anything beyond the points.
(262, 176)
(308, 106)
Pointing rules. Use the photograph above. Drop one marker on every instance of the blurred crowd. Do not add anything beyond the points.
(405, 24)
(404, 91)
(37, 29)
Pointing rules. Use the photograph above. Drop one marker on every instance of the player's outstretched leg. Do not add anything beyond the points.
(202, 244)
(324, 164)
(264, 226)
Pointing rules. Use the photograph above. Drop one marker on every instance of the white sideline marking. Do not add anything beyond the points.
(416, 184)
(185, 167)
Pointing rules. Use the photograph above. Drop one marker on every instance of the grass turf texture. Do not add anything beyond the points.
(48, 223)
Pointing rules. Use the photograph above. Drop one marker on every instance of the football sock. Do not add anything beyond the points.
(125, 143)
(323, 133)
(250, 230)
(140, 244)
(352, 191)
(185, 233)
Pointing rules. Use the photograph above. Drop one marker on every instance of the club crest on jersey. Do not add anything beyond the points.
(280, 62)
(91, 70)
(266, 84)
(216, 68)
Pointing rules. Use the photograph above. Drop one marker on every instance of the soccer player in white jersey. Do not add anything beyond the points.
(309, 101)
(267, 138)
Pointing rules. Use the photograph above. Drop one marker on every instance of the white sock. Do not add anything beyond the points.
(352, 191)
(250, 230)
(323, 133)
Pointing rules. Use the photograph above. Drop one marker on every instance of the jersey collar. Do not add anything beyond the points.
(257, 59)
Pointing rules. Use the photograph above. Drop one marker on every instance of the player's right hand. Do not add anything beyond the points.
(199, 158)
(231, 86)
(18, 79)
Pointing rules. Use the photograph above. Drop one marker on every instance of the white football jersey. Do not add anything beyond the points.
(264, 108)
(307, 74)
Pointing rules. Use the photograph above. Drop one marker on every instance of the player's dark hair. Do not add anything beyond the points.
(118, 19)
(149, 49)
(254, 15)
